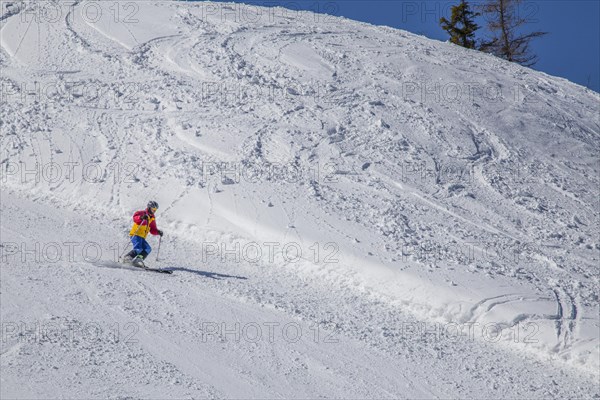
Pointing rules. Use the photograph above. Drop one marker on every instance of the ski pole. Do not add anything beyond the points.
(158, 248)
(125, 249)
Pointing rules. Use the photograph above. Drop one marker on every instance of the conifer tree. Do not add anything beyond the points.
(461, 26)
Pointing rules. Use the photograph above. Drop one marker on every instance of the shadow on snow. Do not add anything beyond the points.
(206, 274)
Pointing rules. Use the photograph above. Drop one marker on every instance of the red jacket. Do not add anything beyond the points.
(140, 226)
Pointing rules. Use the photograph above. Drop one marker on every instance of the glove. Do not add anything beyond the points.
(160, 232)
(144, 217)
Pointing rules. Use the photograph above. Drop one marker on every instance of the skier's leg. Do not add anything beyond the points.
(147, 248)
(138, 249)
(138, 245)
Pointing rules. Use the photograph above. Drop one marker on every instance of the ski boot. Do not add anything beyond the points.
(128, 258)
(138, 261)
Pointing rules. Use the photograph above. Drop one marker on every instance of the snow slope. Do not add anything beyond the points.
(425, 217)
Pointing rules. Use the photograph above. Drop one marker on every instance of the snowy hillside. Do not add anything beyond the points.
(350, 211)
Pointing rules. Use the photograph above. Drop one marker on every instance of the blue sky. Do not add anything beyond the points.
(570, 50)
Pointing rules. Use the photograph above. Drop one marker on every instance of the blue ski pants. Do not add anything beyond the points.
(140, 245)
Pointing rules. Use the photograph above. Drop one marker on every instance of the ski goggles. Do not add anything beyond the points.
(153, 209)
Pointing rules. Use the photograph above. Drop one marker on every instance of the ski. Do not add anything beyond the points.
(158, 270)
(129, 266)
(144, 268)
(141, 265)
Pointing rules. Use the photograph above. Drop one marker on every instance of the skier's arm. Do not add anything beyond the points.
(153, 229)
(137, 217)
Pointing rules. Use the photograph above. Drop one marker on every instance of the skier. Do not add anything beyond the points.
(144, 222)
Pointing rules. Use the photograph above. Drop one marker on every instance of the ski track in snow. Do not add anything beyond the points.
(396, 170)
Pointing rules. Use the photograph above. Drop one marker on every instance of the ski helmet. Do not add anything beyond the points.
(152, 204)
